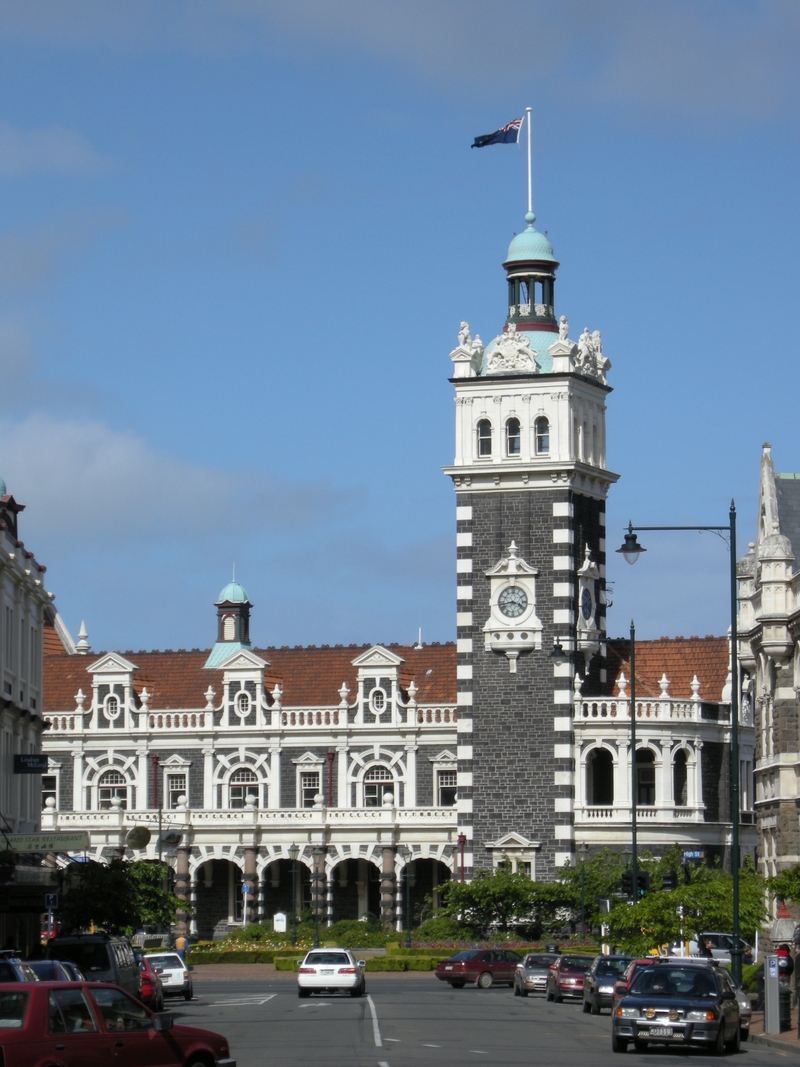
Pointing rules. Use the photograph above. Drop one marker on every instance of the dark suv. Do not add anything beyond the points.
(101, 957)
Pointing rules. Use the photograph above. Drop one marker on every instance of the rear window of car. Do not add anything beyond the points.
(170, 960)
(675, 982)
(322, 958)
(577, 963)
(539, 961)
(45, 970)
(607, 967)
(91, 956)
(465, 955)
(13, 1009)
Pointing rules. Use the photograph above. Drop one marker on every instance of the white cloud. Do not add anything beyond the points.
(54, 150)
(85, 480)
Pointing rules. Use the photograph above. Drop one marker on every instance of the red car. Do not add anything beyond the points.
(151, 991)
(88, 1024)
(566, 977)
(485, 966)
(623, 986)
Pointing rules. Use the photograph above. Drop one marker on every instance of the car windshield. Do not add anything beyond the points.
(464, 956)
(322, 958)
(171, 960)
(675, 982)
(606, 968)
(90, 956)
(13, 1007)
(539, 961)
(577, 964)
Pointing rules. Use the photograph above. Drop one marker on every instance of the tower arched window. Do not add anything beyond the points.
(645, 777)
(600, 777)
(112, 786)
(228, 628)
(243, 784)
(484, 438)
(680, 779)
(378, 782)
(542, 431)
(512, 437)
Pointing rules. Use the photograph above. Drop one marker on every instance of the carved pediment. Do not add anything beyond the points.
(378, 656)
(112, 663)
(512, 840)
(511, 564)
(445, 756)
(243, 659)
(308, 759)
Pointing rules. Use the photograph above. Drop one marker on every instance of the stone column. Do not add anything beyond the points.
(182, 885)
(249, 878)
(193, 902)
(388, 886)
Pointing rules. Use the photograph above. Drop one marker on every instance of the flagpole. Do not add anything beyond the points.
(530, 183)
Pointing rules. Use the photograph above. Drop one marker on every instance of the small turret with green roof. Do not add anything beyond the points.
(531, 271)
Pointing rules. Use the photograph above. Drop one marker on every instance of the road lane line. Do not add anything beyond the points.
(376, 1033)
(383, 1063)
(249, 1001)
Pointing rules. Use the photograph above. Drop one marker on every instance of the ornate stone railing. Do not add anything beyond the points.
(525, 309)
(178, 720)
(668, 710)
(436, 716)
(622, 814)
(63, 722)
(320, 717)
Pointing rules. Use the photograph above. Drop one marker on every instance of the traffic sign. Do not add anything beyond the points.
(49, 842)
(694, 854)
(51, 901)
(245, 888)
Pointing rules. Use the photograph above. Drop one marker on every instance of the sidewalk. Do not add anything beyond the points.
(786, 1042)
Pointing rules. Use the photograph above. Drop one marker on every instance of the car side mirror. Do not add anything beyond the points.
(163, 1020)
(362, 963)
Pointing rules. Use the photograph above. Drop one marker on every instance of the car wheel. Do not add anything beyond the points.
(357, 992)
(587, 1007)
(744, 1033)
(735, 1043)
(458, 985)
(618, 1044)
(719, 1044)
(485, 980)
(303, 992)
(187, 995)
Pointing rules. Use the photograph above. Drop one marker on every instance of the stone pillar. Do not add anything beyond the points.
(193, 903)
(249, 878)
(182, 885)
(388, 886)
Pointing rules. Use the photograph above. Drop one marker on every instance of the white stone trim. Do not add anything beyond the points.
(566, 832)
(464, 671)
(563, 537)
(562, 777)
(562, 696)
(563, 510)
(562, 724)
(563, 616)
(562, 563)
(464, 618)
(464, 778)
(464, 644)
(464, 540)
(465, 699)
(563, 804)
(463, 592)
(562, 589)
(463, 566)
(464, 726)
(562, 751)
(463, 513)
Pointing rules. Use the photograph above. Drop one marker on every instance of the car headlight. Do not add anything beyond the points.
(701, 1016)
(627, 1013)
(605, 989)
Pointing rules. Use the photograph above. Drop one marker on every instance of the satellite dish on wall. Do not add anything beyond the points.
(138, 837)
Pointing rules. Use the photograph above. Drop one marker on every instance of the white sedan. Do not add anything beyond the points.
(327, 969)
(173, 972)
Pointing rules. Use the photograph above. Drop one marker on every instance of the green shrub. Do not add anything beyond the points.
(283, 964)
(350, 933)
(442, 928)
(386, 963)
(749, 977)
(435, 953)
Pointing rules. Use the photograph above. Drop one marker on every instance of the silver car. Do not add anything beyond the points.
(531, 974)
(173, 972)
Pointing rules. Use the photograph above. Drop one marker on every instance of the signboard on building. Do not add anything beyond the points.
(78, 841)
(279, 922)
(32, 763)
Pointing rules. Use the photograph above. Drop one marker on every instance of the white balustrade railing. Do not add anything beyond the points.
(667, 710)
(622, 814)
(178, 720)
(436, 716)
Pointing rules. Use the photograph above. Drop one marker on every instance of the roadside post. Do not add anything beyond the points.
(772, 1020)
(245, 891)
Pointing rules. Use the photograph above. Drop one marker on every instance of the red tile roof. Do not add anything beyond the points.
(308, 676)
(680, 658)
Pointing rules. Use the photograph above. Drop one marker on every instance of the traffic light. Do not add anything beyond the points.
(642, 884)
(669, 880)
(627, 883)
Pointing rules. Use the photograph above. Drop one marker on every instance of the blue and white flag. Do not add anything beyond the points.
(507, 135)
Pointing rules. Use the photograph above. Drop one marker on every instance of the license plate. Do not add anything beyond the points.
(326, 970)
(664, 1031)
(448, 968)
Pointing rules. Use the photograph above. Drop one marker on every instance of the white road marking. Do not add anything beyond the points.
(478, 1052)
(376, 1033)
(322, 1004)
(391, 1039)
(426, 1045)
(383, 1063)
(247, 1000)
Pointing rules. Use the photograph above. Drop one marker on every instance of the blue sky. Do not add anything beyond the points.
(236, 242)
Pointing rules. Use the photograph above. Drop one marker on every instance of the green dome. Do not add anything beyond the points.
(530, 244)
(233, 593)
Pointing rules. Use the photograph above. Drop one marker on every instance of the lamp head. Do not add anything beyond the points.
(294, 852)
(557, 654)
(631, 549)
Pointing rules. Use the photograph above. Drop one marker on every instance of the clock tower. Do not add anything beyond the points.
(531, 480)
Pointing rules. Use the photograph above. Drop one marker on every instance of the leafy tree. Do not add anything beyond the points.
(786, 885)
(501, 898)
(118, 897)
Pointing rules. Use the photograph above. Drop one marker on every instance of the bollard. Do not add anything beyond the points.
(771, 996)
(785, 1008)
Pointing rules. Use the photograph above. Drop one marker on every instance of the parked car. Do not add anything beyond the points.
(623, 986)
(173, 972)
(531, 975)
(13, 969)
(674, 1003)
(101, 958)
(89, 1024)
(151, 989)
(598, 985)
(326, 970)
(55, 971)
(721, 945)
(566, 975)
(487, 967)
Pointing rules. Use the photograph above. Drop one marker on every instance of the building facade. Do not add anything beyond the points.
(769, 650)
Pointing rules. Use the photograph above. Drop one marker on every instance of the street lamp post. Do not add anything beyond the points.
(634, 782)
(631, 550)
(583, 852)
(406, 853)
(317, 853)
(294, 852)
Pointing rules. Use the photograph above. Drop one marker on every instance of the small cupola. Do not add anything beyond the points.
(531, 271)
(233, 614)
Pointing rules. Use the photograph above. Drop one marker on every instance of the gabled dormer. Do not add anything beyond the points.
(379, 697)
(243, 701)
(113, 696)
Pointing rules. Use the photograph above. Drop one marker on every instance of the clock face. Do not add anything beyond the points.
(512, 602)
(586, 604)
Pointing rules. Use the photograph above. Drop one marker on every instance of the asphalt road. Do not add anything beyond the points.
(413, 1022)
